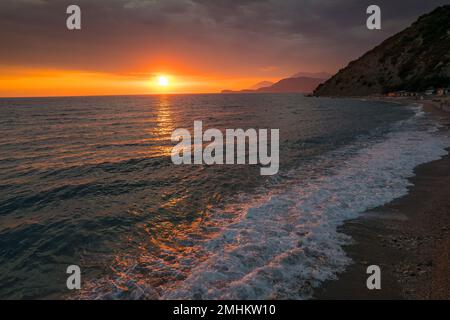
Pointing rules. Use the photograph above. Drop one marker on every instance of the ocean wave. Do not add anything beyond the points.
(143, 228)
(285, 243)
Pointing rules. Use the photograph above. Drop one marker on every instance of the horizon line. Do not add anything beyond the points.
(148, 94)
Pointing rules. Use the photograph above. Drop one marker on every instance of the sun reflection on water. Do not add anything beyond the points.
(164, 125)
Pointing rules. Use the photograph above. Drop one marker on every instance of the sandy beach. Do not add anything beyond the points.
(408, 238)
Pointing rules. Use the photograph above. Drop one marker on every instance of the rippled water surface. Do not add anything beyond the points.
(89, 181)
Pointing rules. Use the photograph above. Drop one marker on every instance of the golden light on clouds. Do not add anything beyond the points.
(20, 82)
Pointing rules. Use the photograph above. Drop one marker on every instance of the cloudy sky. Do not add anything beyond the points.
(201, 45)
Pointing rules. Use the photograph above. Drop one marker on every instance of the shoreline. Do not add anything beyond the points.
(408, 238)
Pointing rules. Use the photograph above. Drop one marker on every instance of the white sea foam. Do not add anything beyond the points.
(287, 244)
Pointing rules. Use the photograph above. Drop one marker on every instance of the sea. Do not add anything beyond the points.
(89, 181)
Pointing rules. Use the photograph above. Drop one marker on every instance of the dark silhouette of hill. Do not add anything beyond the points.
(413, 60)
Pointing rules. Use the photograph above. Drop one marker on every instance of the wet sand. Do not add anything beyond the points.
(409, 239)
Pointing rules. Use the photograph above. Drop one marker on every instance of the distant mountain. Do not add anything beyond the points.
(288, 85)
(301, 84)
(318, 75)
(261, 84)
(413, 60)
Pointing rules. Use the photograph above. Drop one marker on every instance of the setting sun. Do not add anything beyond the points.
(163, 81)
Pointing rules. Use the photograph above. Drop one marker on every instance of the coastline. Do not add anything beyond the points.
(409, 238)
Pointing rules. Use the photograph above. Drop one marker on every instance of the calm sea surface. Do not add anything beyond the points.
(89, 181)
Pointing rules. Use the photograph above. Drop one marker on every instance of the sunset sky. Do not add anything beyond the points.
(197, 46)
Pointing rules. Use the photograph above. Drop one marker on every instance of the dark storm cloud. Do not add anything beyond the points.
(116, 33)
(319, 19)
